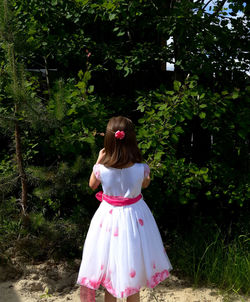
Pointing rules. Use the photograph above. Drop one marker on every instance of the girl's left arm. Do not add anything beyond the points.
(146, 180)
(93, 181)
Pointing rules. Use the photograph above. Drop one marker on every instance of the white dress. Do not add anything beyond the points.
(123, 250)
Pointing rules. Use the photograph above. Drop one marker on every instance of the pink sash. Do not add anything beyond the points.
(117, 200)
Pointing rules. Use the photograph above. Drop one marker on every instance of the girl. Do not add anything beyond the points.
(123, 250)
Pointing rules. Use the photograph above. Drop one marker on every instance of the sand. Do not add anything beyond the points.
(49, 281)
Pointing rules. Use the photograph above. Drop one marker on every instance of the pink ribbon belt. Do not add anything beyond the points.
(117, 200)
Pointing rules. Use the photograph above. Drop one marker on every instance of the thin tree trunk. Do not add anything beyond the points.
(47, 75)
(21, 170)
(8, 38)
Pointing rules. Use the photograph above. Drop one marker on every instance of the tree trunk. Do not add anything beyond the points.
(19, 159)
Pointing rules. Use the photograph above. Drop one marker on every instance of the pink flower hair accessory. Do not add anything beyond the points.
(119, 134)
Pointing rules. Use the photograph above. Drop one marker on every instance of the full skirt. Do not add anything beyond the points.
(123, 250)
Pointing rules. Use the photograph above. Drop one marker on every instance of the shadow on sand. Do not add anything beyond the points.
(8, 292)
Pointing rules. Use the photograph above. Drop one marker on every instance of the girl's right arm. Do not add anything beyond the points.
(94, 182)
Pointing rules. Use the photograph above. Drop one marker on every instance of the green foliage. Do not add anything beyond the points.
(55, 239)
(10, 222)
(9, 178)
(77, 111)
(50, 29)
(130, 37)
(208, 257)
(167, 118)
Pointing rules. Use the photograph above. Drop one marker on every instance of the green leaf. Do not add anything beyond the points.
(87, 76)
(119, 61)
(30, 39)
(175, 138)
(178, 129)
(202, 115)
(112, 16)
(188, 115)
(203, 170)
(194, 93)
(192, 84)
(127, 71)
(242, 134)
(54, 2)
(170, 92)
(80, 74)
(91, 89)
(235, 94)
(177, 85)
(121, 33)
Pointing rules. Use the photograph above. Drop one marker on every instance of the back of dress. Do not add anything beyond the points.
(125, 182)
(123, 250)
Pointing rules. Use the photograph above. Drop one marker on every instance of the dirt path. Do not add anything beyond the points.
(49, 282)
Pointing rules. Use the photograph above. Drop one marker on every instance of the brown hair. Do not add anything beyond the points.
(120, 152)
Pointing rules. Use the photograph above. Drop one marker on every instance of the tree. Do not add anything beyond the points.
(19, 107)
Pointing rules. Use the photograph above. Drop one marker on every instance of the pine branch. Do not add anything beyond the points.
(9, 118)
(8, 183)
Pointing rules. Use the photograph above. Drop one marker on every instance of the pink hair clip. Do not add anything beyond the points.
(119, 134)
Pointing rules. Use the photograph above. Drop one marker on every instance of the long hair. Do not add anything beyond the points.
(120, 152)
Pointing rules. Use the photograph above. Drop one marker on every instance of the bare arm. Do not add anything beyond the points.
(93, 181)
(146, 182)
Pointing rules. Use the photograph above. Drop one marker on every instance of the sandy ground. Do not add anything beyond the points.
(49, 282)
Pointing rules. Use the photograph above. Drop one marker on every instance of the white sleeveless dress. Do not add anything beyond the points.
(123, 250)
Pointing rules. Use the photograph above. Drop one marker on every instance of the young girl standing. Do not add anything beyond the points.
(123, 250)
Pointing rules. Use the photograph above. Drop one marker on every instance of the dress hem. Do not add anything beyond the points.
(157, 278)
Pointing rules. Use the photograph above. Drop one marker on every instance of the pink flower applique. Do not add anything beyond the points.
(132, 273)
(120, 134)
(141, 222)
(116, 232)
(110, 212)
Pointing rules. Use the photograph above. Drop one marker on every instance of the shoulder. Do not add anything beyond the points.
(144, 167)
(146, 170)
